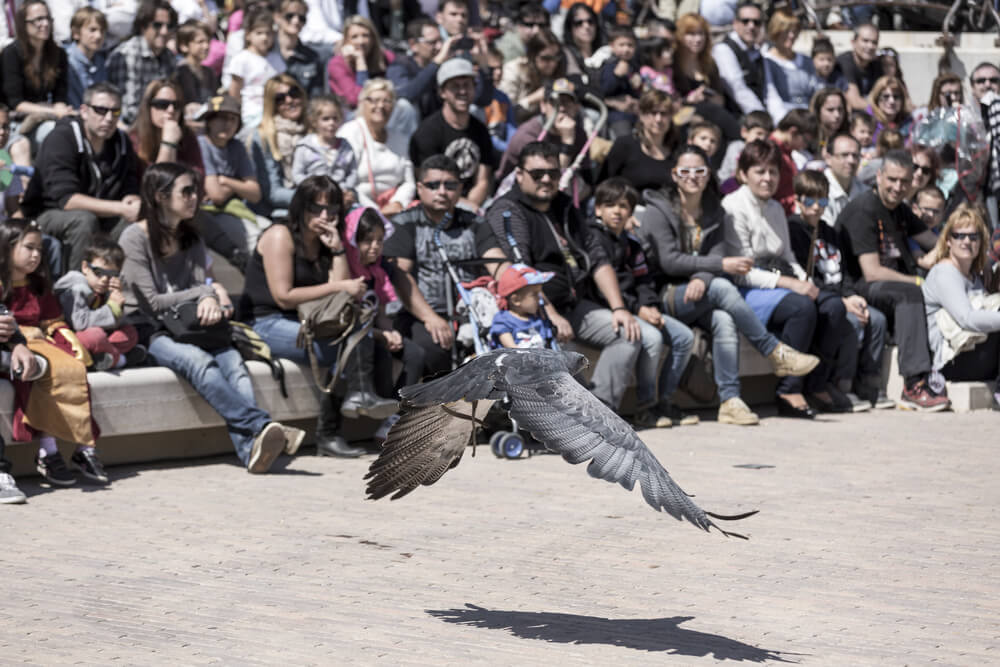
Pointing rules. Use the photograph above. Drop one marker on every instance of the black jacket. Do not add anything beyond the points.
(535, 235)
(660, 235)
(623, 252)
(828, 272)
(66, 165)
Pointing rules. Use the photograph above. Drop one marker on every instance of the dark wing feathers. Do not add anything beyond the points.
(472, 381)
(569, 420)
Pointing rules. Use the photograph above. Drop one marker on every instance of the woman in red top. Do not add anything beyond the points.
(361, 58)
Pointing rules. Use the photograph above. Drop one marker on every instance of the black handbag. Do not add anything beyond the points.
(181, 323)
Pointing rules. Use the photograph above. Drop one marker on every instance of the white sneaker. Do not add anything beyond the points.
(857, 405)
(267, 446)
(9, 493)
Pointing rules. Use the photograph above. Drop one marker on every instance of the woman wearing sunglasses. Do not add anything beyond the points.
(583, 35)
(889, 105)
(298, 260)
(683, 233)
(282, 126)
(524, 78)
(963, 325)
(167, 262)
(159, 133)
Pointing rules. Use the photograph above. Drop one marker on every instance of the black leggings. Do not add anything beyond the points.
(833, 331)
(793, 322)
(980, 363)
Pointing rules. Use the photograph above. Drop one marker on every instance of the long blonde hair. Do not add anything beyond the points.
(964, 216)
(896, 85)
(268, 129)
(375, 58)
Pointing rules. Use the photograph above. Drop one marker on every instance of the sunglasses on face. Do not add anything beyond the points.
(332, 211)
(965, 236)
(534, 24)
(291, 16)
(160, 25)
(889, 96)
(292, 94)
(580, 22)
(450, 186)
(548, 58)
(104, 111)
(102, 273)
(812, 201)
(987, 79)
(539, 174)
(923, 168)
(757, 22)
(692, 172)
(163, 105)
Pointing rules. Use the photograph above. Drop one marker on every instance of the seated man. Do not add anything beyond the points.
(551, 235)
(421, 279)
(145, 57)
(842, 155)
(85, 180)
(861, 66)
(740, 63)
(531, 17)
(454, 132)
(873, 229)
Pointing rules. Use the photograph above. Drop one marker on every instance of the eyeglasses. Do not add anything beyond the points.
(332, 211)
(965, 236)
(691, 172)
(549, 58)
(923, 168)
(993, 80)
(539, 174)
(104, 111)
(812, 201)
(579, 22)
(37, 20)
(889, 96)
(291, 16)
(535, 24)
(163, 105)
(380, 102)
(160, 25)
(102, 273)
(450, 186)
(189, 191)
(292, 94)
(757, 22)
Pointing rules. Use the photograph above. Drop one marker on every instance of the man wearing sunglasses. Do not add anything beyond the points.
(861, 66)
(421, 279)
(531, 18)
(145, 57)
(985, 83)
(741, 66)
(85, 178)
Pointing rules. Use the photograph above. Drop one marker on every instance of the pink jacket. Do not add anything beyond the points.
(343, 80)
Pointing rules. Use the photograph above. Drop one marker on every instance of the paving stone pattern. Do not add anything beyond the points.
(876, 544)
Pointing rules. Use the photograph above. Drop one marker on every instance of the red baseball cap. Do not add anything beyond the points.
(521, 275)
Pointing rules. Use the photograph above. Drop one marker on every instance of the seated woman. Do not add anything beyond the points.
(524, 78)
(159, 133)
(298, 261)
(696, 76)
(282, 125)
(791, 78)
(946, 91)
(683, 235)
(829, 105)
(385, 173)
(887, 103)
(963, 323)
(35, 78)
(583, 35)
(776, 288)
(361, 59)
(168, 263)
(643, 158)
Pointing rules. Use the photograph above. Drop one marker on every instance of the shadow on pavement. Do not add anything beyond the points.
(644, 634)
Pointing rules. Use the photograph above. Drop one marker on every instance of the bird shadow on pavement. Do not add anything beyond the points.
(643, 634)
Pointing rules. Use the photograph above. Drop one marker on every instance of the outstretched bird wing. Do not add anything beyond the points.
(568, 419)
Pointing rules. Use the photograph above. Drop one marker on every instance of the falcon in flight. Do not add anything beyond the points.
(438, 421)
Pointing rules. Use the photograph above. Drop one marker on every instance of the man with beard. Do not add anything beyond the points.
(421, 279)
(454, 132)
(551, 236)
(874, 228)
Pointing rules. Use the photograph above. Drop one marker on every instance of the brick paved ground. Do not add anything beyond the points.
(877, 543)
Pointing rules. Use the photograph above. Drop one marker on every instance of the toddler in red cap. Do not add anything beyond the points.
(519, 322)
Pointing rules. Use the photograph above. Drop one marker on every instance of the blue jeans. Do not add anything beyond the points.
(280, 333)
(724, 312)
(220, 377)
(653, 381)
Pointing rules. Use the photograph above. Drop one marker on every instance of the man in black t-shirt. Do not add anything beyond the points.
(861, 66)
(452, 131)
(421, 278)
(873, 230)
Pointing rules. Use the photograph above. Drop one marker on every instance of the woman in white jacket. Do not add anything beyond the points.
(776, 288)
(385, 173)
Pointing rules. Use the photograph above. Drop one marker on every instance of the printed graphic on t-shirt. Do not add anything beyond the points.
(466, 155)
(828, 261)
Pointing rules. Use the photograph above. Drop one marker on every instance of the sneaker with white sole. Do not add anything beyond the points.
(735, 411)
(922, 398)
(9, 493)
(857, 404)
(293, 439)
(787, 361)
(89, 465)
(267, 446)
(53, 468)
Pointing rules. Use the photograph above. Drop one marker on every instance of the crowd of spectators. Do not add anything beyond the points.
(737, 187)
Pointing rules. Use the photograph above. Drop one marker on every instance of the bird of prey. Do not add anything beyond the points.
(438, 420)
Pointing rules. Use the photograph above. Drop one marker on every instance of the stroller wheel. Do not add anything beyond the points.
(495, 443)
(511, 445)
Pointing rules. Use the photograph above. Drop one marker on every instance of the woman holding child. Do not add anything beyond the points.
(298, 261)
(167, 262)
(683, 234)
